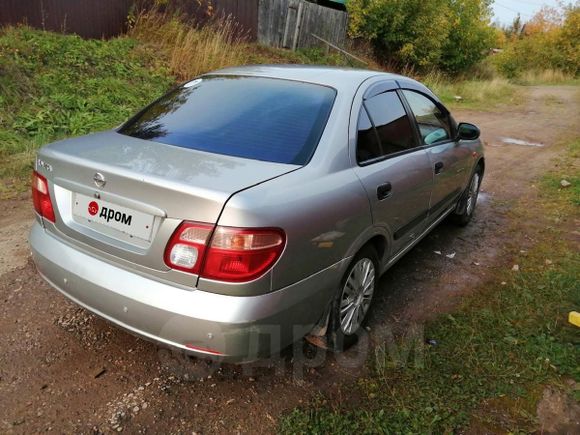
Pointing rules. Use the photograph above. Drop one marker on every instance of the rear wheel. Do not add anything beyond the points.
(353, 300)
(466, 206)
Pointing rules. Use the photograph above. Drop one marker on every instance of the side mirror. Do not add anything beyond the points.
(467, 131)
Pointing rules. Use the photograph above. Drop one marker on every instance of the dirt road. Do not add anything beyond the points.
(64, 370)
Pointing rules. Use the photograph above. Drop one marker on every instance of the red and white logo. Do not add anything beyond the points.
(93, 208)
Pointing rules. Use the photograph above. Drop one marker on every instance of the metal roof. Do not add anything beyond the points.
(336, 77)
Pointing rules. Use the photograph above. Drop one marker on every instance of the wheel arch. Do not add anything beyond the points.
(377, 239)
(481, 162)
(379, 243)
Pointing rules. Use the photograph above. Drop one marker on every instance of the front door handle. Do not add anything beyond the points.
(438, 167)
(384, 191)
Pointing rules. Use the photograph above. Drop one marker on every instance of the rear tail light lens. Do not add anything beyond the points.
(41, 197)
(233, 255)
(186, 247)
(242, 254)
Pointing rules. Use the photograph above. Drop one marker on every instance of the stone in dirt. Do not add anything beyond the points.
(558, 413)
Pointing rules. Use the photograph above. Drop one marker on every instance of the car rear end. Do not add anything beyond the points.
(127, 221)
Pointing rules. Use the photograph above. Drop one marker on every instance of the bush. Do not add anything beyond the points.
(452, 35)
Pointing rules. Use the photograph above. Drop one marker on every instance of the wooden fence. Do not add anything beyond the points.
(292, 23)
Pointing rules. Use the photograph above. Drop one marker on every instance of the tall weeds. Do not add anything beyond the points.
(546, 77)
(190, 49)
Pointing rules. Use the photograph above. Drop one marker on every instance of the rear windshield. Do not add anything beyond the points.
(256, 118)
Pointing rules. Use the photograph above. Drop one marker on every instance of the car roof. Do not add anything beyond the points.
(340, 78)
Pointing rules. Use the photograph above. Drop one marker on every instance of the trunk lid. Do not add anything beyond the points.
(147, 189)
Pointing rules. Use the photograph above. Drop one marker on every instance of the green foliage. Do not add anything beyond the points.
(470, 36)
(449, 34)
(53, 86)
(556, 47)
(569, 40)
(392, 27)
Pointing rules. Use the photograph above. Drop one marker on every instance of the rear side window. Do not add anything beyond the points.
(392, 127)
(256, 118)
(434, 125)
(368, 146)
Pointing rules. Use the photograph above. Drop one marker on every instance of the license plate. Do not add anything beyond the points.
(123, 219)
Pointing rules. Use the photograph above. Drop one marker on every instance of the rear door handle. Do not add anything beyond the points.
(384, 191)
(439, 167)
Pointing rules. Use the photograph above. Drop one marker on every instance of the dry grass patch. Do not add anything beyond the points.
(190, 50)
(474, 94)
(547, 77)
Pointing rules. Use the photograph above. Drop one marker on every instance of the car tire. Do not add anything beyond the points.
(466, 206)
(353, 300)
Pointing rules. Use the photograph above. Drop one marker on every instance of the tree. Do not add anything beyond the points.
(545, 20)
(550, 41)
(515, 29)
(471, 36)
(569, 40)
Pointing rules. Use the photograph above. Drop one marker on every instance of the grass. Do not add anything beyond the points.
(495, 354)
(562, 203)
(191, 50)
(54, 86)
(546, 77)
(476, 94)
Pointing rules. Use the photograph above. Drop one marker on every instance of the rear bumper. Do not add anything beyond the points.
(233, 328)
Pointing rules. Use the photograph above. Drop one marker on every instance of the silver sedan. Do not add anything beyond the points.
(252, 206)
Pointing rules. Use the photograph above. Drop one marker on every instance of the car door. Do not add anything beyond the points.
(449, 159)
(395, 173)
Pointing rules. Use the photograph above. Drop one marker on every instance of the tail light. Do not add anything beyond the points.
(232, 255)
(242, 254)
(187, 245)
(41, 197)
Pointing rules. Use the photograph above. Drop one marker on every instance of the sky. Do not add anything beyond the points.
(506, 10)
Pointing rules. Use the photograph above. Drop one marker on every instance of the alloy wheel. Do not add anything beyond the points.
(356, 296)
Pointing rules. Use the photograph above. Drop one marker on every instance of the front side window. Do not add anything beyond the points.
(434, 125)
(252, 117)
(391, 124)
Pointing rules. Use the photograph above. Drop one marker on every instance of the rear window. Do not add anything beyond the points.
(257, 118)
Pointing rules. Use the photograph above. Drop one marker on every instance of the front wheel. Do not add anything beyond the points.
(353, 300)
(468, 201)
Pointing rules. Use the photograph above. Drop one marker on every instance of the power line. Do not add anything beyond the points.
(513, 10)
(540, 4)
